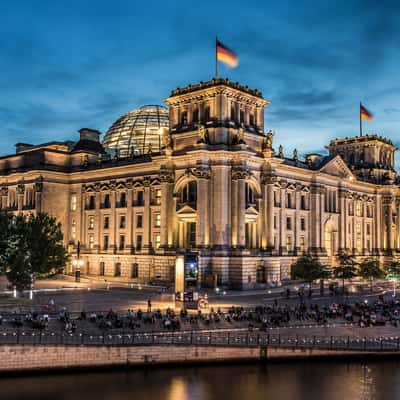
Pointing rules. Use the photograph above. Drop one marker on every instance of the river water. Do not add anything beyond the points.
(279, 381)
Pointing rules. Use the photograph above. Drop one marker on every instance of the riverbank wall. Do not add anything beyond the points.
(26, 358)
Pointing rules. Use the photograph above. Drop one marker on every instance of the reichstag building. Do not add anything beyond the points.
(202, 176)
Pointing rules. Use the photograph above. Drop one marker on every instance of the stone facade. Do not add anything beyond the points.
(218, 188)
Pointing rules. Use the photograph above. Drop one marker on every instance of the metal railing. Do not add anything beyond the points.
(210, 338)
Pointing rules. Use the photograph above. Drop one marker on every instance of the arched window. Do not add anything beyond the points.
(188, 194)
(250, 199)
(206, 113)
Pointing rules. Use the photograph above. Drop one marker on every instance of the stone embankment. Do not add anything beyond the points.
(30, 358)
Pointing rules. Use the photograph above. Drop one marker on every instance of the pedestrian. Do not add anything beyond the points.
(149, 305)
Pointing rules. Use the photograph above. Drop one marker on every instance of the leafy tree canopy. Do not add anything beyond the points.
(309, 269)
(30, 248)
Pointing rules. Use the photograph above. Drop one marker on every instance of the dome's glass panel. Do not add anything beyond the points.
(138, 132)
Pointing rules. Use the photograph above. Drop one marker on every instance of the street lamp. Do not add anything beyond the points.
(78, 263)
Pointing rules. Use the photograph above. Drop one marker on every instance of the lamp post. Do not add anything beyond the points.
(78, 263)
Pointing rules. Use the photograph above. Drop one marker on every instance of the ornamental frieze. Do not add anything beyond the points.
(20, 188)
(166, 175)
(267, 178)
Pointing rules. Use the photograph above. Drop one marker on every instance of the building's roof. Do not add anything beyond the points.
(216, 82)
(139, 131)
(360, 139)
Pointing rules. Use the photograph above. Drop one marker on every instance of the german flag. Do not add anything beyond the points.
(226, 55)
(365, 114)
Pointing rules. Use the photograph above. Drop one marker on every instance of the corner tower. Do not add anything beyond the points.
(371, 157)
(217, 112)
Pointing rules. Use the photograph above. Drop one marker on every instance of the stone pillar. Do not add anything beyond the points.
(234, 217)
(147, 245)
(97, 221)
(315, 219)
(241, 209)
(167, 208)
(202, 223)
(268, 206)
(129, 218)
(221, 206)
(113, 240)
(377, 225)
(342, 220)
(282, 239)
(4, 197)
(20, 196)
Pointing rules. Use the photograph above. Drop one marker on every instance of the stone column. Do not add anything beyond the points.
(147, 245)
(342, 219)
(4, 197)
(97, 220)
(377, 225)
(20, 196)
(221, 206)
(203, 175)
(167, 203)
(113, 220)
(314, 219)
(129, 218)
(282, 239)
(240, 176)
(268, 205)
(234, 218)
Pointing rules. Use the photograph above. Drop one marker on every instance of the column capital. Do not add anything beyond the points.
(239, 172)
(166, 175)
(268, 179)
(202, 172)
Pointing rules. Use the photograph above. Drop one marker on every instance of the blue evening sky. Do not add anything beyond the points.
(71, 64)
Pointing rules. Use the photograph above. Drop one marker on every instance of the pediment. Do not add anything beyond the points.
(186, 210)
(337, 167)
(251, 211)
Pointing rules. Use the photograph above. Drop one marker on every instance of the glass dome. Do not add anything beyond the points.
(138, 132)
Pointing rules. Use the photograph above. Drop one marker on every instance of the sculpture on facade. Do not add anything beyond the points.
(280, 151)
(240, 135)
(202, 133)
(167, 141)
(268, 140)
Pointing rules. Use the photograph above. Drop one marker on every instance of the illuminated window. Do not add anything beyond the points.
(91, 222)
(158, 220)
(289, 244)
(91, 241)
(358, 209)
(73, 229)
(122, 222)
(302, 244)
(73, 202)
(158, 241)
(158, 196)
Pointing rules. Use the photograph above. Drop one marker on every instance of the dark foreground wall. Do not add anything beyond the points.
(14, 358)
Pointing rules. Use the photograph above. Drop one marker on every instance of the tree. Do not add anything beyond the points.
(346, 268)
(309, 269)
(392, 269)
(370, 269)
(31, 249)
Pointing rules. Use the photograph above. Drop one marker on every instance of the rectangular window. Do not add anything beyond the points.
(73, 202)
(105, 242)
(107, 203)
(303, 202)
(91, 222)
(117, 270)
(139, 221)
(139, 198)
(277, 199)
(91, 242)
(73, 229)
(139, 242)
(157, 222)
(135, 271)
(288, 200)
(302, 224)
(275, 222)
(289, 223)
(122, 200)
(158, 196)
(158, 241)
(302, 246)
(91, 205)
(102, 268)
(368, 229)
(358, 209)
(289, 246)
(121, 242)
(191, 227)
(106, 224)
(358, 228)
(122, 222)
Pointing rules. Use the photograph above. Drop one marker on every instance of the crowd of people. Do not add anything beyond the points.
(277, 314)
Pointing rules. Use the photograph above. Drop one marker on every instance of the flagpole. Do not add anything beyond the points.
(216, 58)
(360, 120)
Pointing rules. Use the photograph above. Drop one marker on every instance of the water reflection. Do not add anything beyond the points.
(283, 381)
